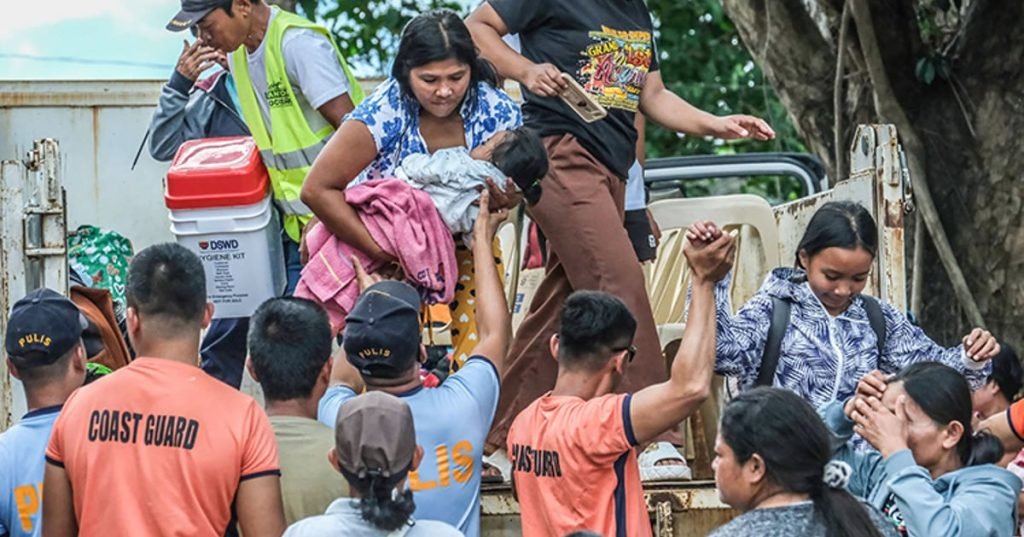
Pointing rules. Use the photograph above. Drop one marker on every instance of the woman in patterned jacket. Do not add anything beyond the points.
(829, 343)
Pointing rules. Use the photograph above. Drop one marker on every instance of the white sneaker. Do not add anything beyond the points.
(661, 452)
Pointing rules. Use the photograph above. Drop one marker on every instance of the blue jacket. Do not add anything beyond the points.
(822, 357)
(188, 113)
(975, 501)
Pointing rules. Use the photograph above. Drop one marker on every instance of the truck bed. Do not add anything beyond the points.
(677, 509)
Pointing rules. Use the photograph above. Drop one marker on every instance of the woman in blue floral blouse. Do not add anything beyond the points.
(440, 94)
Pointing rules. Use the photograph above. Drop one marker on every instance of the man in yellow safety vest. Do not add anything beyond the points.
(294, 87)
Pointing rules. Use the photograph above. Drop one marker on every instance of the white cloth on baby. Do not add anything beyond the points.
(452, 178)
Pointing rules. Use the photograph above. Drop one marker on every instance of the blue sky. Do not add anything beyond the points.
(85, 34)
(90, 39)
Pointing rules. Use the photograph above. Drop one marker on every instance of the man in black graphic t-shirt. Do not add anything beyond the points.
(607, 46)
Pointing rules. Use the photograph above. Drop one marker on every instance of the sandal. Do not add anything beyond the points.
(661, 461)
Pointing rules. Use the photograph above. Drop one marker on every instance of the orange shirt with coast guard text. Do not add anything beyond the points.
(158, 448)
(574, 467)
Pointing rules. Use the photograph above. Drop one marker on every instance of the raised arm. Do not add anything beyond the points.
(659, 104)
(1002, 426)
(658, 408)
(334, 110)
(493, 320)
(906, 343)
(259, 506)
(171, 125)
(346, 155)
(487, 27)
(739, 339)
(58, 509)
(868, 467)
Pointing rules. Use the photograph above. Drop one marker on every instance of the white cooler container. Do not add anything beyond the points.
(221, 209)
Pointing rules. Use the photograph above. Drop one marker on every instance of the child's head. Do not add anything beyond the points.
(837, 252)
(521, 156)
(1002, 386)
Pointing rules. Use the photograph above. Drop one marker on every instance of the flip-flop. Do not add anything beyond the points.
(661, 452)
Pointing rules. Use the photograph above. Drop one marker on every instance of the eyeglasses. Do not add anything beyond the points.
(630, 352)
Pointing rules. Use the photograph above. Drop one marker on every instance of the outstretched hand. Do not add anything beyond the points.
(702, 232)
(871, 385)
(488, 222)
(739, 126)
(503, 198)
(884, 429)
(365, 280)
(980, 345)
(543, 79)
(710, 259)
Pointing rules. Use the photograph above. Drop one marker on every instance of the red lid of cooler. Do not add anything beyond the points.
(216, 172)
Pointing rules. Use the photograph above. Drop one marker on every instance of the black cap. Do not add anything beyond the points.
(192, 11)
(43, 326)
(382, 332)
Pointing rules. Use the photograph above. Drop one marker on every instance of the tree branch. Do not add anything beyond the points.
(837, 95)
(889, 109)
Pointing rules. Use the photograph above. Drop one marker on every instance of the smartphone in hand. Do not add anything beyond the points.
(581, 102)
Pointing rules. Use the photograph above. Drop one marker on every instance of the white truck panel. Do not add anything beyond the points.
(99, 125)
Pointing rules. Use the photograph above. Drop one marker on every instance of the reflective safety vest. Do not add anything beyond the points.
(290, 152)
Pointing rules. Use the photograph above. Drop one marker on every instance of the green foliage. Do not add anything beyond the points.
(367, 30)
(703, 61)
(930, 67)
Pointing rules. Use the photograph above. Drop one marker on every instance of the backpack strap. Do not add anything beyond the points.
(773, 345)
(877, 320)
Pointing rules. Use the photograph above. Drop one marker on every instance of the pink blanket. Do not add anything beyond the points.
(405, 223)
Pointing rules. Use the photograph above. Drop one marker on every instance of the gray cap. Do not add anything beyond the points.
(375, 436)
(192, 11)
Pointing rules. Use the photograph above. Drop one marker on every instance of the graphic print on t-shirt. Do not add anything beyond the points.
(615, 67)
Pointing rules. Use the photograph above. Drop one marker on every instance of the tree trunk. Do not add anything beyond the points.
(969, 125)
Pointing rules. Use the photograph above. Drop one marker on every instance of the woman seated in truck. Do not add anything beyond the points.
(929, 472)
(809, 328)
(441, 94)
(772, 463)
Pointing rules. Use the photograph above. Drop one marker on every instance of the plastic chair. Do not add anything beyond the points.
(668, 282)
(668, 276)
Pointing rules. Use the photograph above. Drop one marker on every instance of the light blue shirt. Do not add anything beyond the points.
(22, 464)
(452, 422)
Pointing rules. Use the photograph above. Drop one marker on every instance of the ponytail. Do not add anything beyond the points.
(985, 449)
(841, 513)
(796, 448)
(382, 505)
(943, 395)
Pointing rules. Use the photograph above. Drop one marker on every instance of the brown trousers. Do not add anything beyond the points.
(580, 211)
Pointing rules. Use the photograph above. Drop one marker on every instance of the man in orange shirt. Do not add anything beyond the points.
(573, 451)
(159, 448)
